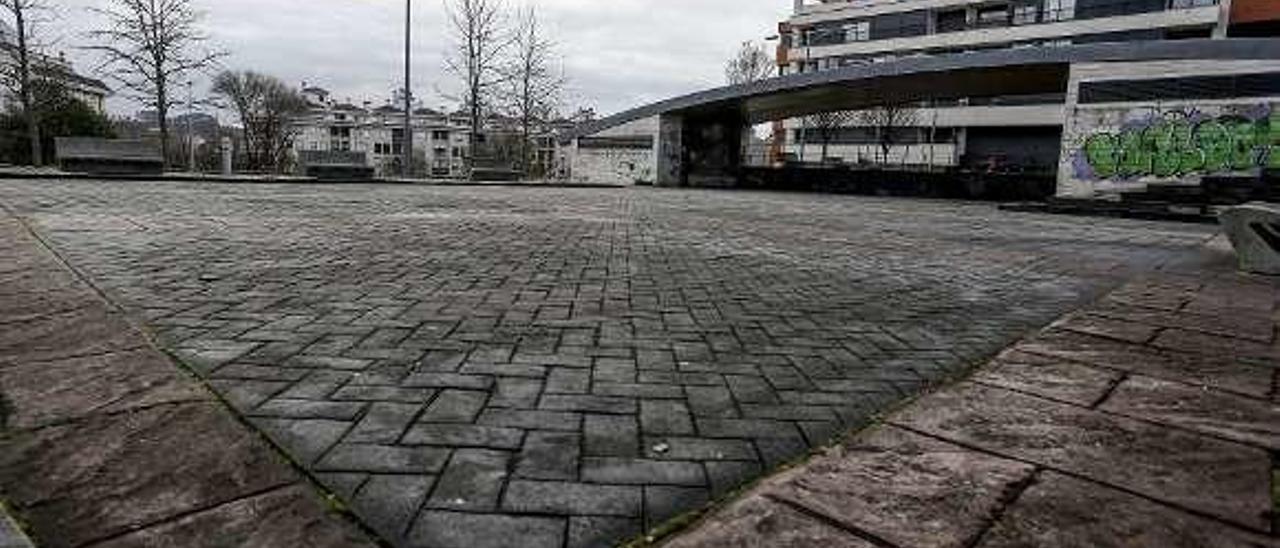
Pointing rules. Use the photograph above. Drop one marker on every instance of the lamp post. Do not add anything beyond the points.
(191, 138)
(407, 161)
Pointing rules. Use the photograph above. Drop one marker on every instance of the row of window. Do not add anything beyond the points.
(1017, 12)
(828, 63)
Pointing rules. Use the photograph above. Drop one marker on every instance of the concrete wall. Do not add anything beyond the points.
(1108, 148)
(612, 165)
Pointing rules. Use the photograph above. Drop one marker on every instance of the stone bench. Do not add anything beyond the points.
(335, 165)
(108, 156)
(1254, 230)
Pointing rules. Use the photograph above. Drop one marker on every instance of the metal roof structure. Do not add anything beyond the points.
(975, 74)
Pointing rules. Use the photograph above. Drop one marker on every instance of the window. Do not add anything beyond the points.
(439, 135)
(997, 16)
(858, 31)
(1026, 14)
(1059, 10)
(953, 20)
(1187, 4)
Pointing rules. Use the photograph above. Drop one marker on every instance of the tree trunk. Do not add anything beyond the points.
(24, 76)
(162, 110)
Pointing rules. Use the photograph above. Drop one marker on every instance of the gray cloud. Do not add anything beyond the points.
(617, 53)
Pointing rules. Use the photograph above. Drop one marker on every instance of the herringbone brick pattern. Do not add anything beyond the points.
(569, 365)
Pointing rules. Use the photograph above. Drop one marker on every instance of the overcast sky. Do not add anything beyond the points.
(617, 53)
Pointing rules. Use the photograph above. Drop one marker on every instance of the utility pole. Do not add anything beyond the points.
(191, 137)
(408, 95)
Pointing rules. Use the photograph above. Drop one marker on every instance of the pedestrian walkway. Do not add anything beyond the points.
(1150, 418)
(105, 442)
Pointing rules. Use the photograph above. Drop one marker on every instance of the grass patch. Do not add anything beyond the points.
(1275, 496)
(17, 518)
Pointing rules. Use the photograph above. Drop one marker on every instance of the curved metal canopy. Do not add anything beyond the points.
(976, 74)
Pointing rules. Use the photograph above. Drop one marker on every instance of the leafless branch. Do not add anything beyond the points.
(751, 63)
(267, 108)
(150, 46)
(534, 81)
(479, 41)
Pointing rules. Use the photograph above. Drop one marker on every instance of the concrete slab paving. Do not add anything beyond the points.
(1224, 479)
(1060, 511)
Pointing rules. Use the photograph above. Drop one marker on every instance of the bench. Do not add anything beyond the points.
(1254, 231)
(108, 156)
(335, 165)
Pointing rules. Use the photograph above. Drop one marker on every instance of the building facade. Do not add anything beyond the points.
(440, 141)
(994, 133)
(91, 91)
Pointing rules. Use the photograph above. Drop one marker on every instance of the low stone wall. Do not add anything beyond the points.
(880, 182)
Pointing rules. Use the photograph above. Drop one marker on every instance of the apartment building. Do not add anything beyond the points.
(1008, 132)
(440, 141)
(91, 91)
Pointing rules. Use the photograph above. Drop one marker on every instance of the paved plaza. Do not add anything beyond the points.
(570, 367)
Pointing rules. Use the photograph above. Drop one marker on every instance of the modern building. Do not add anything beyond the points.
(1021, 132)
(91, 91)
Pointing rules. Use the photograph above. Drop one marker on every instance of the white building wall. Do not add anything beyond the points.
(617, 166)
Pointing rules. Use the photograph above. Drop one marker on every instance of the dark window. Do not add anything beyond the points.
(899, 25)
(1234, 86)
(953, 20)
(1089, 9)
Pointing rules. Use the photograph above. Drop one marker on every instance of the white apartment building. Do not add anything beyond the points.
(439, 140)
(995, 132)
(91, 91)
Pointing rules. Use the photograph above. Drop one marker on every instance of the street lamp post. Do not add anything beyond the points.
(407, 161)
(191, 138)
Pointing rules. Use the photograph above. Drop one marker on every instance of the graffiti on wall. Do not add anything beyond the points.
(1180, 143)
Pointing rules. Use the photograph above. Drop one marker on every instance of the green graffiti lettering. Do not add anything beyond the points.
(1215, 141)
(1102, 153)
(1166, 150)
(1135, 158)
(1175, 147)
(1192, 158)
(1273, 140)
(1245, 139)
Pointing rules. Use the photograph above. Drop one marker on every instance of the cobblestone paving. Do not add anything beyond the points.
(567, 367)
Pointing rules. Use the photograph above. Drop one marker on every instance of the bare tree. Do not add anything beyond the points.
(751, 63)
(886, 120)
(533, 80)
(150, 46)
(20, 78)
(480, 39)
(267, 108)
(828, 126)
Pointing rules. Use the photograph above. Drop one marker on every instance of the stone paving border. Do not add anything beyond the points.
(105, 442)
(1151, 418)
